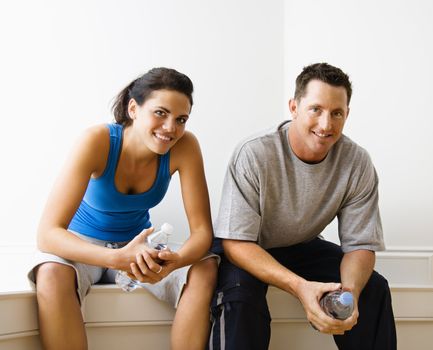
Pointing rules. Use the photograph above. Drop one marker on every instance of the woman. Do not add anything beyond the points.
(102, 198)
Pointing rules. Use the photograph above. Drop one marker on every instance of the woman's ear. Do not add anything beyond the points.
(132, 109)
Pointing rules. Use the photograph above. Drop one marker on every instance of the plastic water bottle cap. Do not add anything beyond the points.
(167, 228)
(346, 298)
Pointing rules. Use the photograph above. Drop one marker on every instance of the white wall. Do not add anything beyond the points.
(387, 49)
(63, 61)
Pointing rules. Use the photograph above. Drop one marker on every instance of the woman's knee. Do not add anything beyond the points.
(54, 279)
(201, 280)
(204, 273)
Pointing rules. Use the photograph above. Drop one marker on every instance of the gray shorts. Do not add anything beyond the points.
(169, 289)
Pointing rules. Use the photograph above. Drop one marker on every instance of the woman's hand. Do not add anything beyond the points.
(147, 269)
(138, 246)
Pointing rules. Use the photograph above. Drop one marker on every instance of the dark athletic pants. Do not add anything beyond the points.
(240, 311)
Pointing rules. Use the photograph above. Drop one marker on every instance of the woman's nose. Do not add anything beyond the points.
(169, 125)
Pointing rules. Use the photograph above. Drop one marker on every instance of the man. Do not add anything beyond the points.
(281, 190)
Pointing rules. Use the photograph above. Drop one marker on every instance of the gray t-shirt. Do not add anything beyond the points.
(273, 198)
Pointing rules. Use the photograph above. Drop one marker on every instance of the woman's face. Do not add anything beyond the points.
(160, 121)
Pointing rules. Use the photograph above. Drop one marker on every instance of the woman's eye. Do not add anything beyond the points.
(160, 113)
(182, 120)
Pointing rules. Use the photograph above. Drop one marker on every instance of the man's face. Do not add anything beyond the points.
(318, 120)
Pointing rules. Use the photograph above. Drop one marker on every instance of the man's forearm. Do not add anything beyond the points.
(356, 268)
(258, 262)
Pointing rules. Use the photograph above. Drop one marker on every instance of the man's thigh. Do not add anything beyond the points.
(236, 284)
(316, 260)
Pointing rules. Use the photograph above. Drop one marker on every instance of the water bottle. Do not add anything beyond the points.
(157, 240)
(337, 304)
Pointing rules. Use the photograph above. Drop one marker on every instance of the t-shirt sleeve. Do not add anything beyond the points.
(359, 223)
(239, 213)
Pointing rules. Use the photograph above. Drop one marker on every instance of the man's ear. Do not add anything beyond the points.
(293, 108)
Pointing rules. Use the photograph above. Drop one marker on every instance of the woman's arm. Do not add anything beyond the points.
(88, 158)
(186, 158)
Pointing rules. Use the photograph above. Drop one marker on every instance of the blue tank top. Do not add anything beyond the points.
(107, 214)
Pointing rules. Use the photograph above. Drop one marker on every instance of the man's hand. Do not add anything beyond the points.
(309, 294)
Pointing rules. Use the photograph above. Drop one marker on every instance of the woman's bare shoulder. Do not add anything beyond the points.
(96, 133)
(185, 151)
(93, 146)
(187, 141)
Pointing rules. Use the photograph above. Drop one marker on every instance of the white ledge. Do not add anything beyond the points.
(115, 318)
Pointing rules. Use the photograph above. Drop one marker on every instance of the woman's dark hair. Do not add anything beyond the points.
(324, 72)
(141, 88)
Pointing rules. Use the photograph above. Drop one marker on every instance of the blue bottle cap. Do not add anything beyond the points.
(346, 298)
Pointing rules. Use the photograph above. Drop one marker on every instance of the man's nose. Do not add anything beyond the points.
(325, 121)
